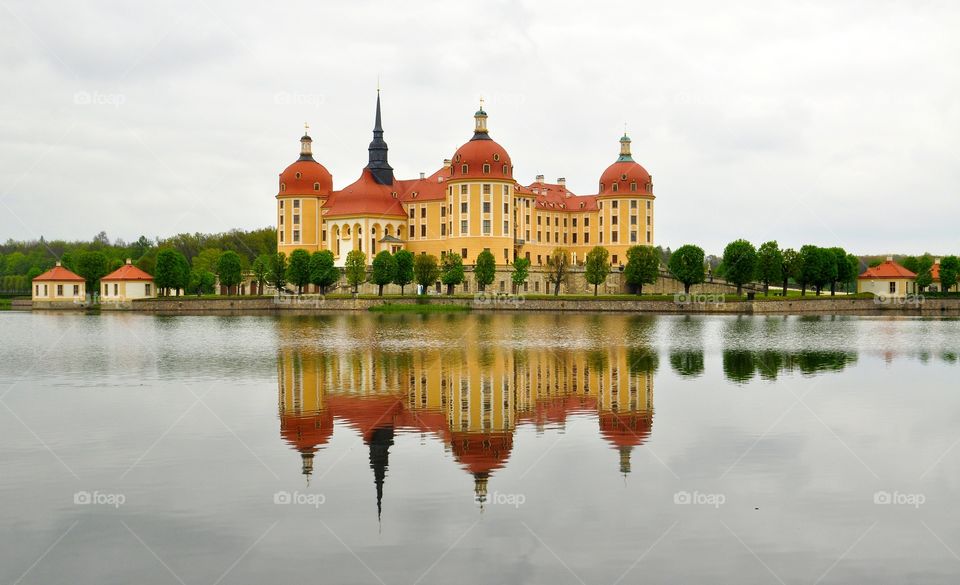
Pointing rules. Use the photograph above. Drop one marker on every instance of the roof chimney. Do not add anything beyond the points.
(539, 178)
(129, 262)
(422, 176)
(937, 261)
(58, 263)
(446, 163)
(889, 258)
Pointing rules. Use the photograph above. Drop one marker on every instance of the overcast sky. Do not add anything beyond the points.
(833, 123)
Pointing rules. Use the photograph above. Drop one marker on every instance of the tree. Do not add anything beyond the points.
(521, 271)
(740, 263)
(844, 272)
(791, 267)
(322, 271)
(643, 267)
(558, 262)
(92, 266)
(949, 272)
(229, 270)
(165, 274)
(356, 269)
(451, 271)
(819, 268)
(924, 272)
(206, 260)
(686, 265)
(597, 267)
(485, 270)
(201, 282)
(261, 271)
(298, 269)
(853, 269)
(404, 274)
(384, 270)
(769, 264)
(425, 270)
(181, 273)
(278, 272)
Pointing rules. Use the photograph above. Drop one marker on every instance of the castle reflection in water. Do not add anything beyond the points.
(470, 393)
(471, 381)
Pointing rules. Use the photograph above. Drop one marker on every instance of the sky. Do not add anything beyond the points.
(832, 123)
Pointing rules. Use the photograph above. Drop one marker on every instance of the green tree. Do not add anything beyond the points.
(949, 272)
(165, 273)
(425, 271)
(643, 267)
(384, 270)
(740, 263)
(686, 265)
(521, 271)
(485, 270)
(261, 271)
(404, 274)
(844, 273)
(819, 268)
(355, 269)
(924, 272)
(278, 272)
(853, 270)
(206, 260)
(202, 282)
(298, 269)
(597, 267)
(322, 271)
(911, 263)
(451, 271)
(92, 266)
(558, 263)
(792, 267)
(769, 264)
(229, 270)
(181, 273)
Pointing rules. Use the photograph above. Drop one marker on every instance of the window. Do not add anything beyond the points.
(463, 189)
(505, 170)
(116, 289)
(586, 222)
(443, 229)
(506, 256)
(539, 236)
(616, 187)
(76, 290)
(296, 219)
(106, 290)
(463, 169)
(146, 289)
(539, 261)
(59, 290)
(412, 214)
(614, 258)
(282, 187)
(506, 227)
(648, 237)
(633, 204)
(296, 204)
(281, 204)
(893, 287)
(463, 252)
(506, 208)
(463, 207)
(423, 231)
(299, 175)
(648, 205)
(633, 220)
(443, 211)
(486, 188)
(496, 156)
(648, 220)
(423, 212)
(574, 222)
(296, 236)
(633, 186)
(486, 227)
(486, 207)
(281, 220)
(281, 237)
(613, 237)
(614, 203)
(574, 238)
(506, 190)
(413, 231)
(538, 220)
(324, 234)
(548, 237)
(463, 226)
(486, 169)
(633, 237)
(613, 220)
(316, 186)
(527, 234)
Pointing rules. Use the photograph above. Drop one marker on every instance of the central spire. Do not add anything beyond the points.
(378, 165)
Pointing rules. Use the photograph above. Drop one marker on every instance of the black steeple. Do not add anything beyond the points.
(378, 165)
(380, 443)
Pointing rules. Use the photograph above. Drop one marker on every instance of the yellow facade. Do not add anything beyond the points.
(59, 291)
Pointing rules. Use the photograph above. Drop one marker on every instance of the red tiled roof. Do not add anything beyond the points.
(935, 272)
(368, 198)
(311, 174)
(127, 272)
(556, 197)
(623, 174)
(59, 273)
(475, 154)
(888, 269)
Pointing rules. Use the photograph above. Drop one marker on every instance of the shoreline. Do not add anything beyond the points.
(317, 304)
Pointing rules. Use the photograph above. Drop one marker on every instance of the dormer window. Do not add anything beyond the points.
(486, 169)
(601, 187)
(505, 171)
(496, 156)
(616, 187)
(316, 186)
(282, 187)
(633, 186)
(299, 175)
(463, 169)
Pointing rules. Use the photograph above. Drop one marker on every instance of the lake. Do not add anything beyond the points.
(478, 448)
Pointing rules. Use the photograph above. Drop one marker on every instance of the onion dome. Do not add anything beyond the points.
(306, 176)
(481, 454)
(624, 431)
(482, 157)
(306, 433)
(625, 176)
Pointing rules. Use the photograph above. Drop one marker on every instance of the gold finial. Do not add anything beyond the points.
(306, 128)
(481, 102)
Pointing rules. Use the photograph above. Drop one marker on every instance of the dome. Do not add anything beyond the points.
(628, 176)
(481, 157)
(306, 176)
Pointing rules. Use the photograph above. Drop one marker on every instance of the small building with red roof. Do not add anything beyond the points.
(58, 286)
(126, 284)
(887, 280)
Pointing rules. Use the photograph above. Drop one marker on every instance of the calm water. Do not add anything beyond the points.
(485, 449)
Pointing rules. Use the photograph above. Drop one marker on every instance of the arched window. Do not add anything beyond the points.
(463, 169)
(633, 186)
(316, 186)
(616, 187)
(486, 169)
(282, 187)
(505, 171)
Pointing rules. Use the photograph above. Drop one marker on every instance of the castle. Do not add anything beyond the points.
(470, 204)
